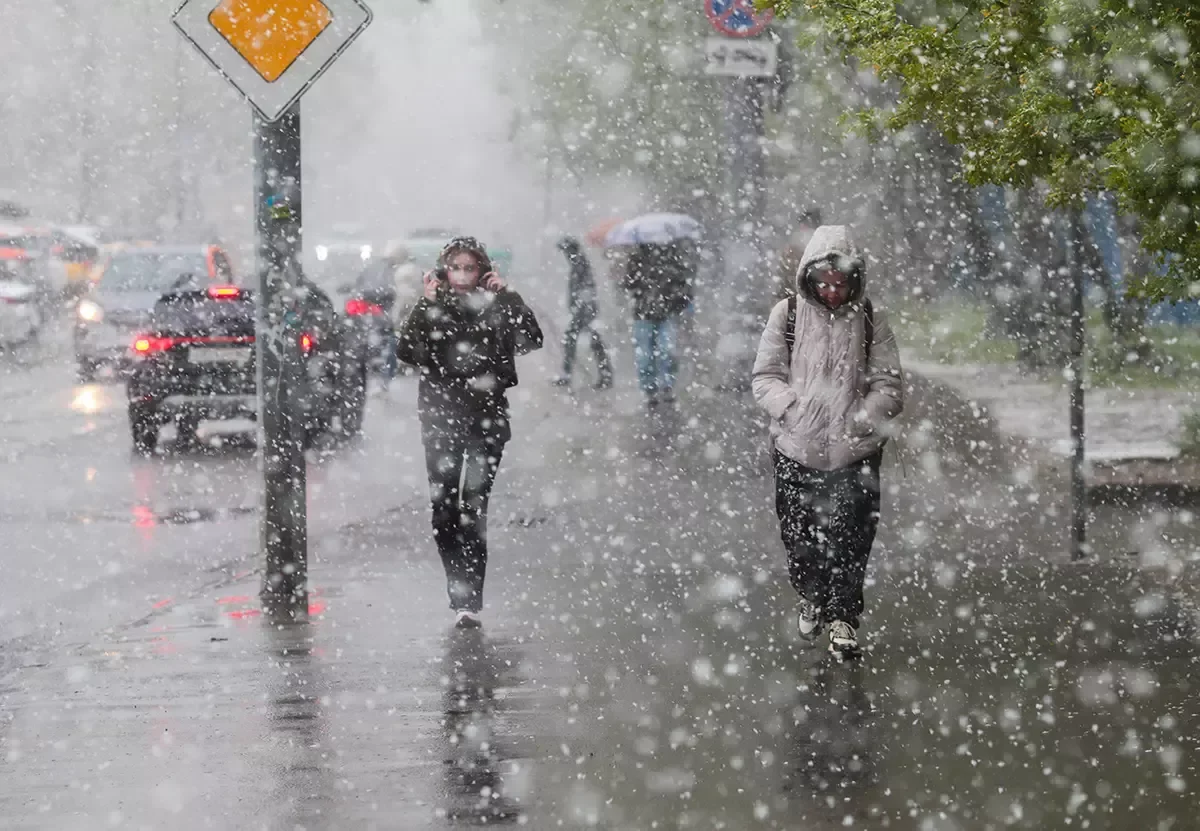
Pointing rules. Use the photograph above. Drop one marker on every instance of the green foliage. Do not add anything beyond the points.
(618, 90)
(1084, 95)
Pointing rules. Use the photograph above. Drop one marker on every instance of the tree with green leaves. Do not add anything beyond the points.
(1082, 96)
(618, 92)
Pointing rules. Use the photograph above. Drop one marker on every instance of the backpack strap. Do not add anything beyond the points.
(789, 331)
(868, 327)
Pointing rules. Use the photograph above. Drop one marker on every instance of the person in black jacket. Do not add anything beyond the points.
(464, 335)
(581, 301)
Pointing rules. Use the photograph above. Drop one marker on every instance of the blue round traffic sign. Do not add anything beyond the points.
(737, 18)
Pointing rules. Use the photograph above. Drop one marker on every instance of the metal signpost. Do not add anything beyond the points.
(750, 63)
(272, 51)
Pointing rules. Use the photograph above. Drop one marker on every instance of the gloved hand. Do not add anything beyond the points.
(859, 426)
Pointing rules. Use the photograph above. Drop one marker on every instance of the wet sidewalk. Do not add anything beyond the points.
(638, 669)
(621, 694)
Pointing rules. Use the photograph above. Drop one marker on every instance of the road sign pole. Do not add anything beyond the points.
(1077, 352)
(751, 62)
(283, 522)
(745, 189)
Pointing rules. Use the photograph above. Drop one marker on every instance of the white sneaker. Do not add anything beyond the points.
(468, 620)
(809, 620)
(842, 639)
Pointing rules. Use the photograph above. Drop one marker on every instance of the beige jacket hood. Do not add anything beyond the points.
(829, 408)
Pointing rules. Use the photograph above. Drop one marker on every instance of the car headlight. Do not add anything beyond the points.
(365, 252)
(90, 312)
(322, 253)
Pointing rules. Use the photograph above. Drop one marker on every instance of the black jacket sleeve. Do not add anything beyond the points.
(527, 334)
(412, 345)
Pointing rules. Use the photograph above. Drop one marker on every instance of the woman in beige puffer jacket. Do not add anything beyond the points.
(831, 403)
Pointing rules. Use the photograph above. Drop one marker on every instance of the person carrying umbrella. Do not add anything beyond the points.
(659, 278)
(581, 301)
(657, 282)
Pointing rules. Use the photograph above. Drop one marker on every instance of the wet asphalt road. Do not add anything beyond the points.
(638, 668)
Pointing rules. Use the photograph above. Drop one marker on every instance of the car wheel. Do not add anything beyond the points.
(352, 406)
(144, 429)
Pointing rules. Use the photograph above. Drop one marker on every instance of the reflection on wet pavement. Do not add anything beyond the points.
(484, 777)
(833, 747)
(297, 750)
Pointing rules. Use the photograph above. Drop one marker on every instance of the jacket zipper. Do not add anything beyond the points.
(828, 379)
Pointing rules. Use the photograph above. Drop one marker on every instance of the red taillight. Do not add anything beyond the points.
(357, 307)
(307, 342)
(148, 345)
(224, 292)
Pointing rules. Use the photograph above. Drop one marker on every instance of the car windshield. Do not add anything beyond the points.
(378, 275)
(151, 271)
(336, 268)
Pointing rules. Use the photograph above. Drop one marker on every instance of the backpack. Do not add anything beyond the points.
(789, 332)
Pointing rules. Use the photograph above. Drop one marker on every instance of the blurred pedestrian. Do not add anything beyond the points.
(659, 284)
(583, 308)
(789, 256)
(464, 335)
(828, 374)
(406, 291)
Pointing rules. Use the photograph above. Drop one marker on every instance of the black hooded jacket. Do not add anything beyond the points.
(659, 280)
(466, 348)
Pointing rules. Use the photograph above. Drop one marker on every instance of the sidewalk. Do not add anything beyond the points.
(1121, 423)
(639, 665)
(616, 691)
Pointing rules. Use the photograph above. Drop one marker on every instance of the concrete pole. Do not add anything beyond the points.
(284, 520)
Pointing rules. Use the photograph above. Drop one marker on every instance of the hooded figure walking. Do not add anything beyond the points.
(828, 374)
(581, 302)
(464, 335)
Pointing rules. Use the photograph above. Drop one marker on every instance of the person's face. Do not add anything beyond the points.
(832, 286)
(464, 272)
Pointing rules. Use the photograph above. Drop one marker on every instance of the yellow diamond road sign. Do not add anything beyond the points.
(272, 50)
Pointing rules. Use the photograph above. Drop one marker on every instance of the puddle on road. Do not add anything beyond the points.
(140, 516)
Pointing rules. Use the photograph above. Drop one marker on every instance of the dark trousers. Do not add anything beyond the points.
(828, 521)
(571, 341)
(462, 470)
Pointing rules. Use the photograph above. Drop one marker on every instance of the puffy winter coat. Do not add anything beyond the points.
(829, 405)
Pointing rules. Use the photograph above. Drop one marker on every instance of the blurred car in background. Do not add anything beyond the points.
(123, 292)
(20, 314)
(51, 257)
(380, 298)
(332, 262)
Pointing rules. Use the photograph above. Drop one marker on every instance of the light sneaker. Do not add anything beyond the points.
(842, 639)
(467, 620)
(809, 620)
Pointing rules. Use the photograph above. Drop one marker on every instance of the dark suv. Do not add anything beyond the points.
(195, 361)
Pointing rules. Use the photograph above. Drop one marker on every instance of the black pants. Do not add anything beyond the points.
(828, 521)
(575, 328)
(462, 470)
